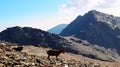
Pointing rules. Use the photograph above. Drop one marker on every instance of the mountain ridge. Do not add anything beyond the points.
(31, 36)
(97, 28)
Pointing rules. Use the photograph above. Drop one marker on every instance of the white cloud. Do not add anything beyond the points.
(86, 5)
(67, 9)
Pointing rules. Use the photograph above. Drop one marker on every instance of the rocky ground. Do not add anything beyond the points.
(32, 56)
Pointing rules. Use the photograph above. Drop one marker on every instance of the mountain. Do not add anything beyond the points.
(97, 28)
(32, 36)
(37, 37)
(57, 29)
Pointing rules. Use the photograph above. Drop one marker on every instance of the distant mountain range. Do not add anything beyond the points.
(57, 29)
(97, 28)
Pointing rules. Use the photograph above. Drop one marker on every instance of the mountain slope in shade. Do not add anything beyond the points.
(97, 28)
(37, 37)
(32, 36)
(57, 29)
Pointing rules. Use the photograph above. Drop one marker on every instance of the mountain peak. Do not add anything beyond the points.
(102, 17)
(95, 13)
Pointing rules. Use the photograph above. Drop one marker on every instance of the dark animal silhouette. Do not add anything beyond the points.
(20, 48)
(55, 53)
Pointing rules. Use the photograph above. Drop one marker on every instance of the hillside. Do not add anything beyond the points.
(32, 56)
(97, 28)
(84, 48)
(32, 36)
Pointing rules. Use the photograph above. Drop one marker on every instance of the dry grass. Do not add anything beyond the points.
(69, 56)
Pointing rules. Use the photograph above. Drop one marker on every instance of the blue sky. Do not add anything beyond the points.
(27, 12)
(44, 14)
(13, 8)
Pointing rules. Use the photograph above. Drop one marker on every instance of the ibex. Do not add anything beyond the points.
(20, 48)
(55, 53)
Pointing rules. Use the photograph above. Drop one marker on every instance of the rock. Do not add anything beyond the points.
(1, 50)
(65, 65)
(1, 65)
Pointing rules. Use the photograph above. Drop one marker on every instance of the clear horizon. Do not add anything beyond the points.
(45, 14)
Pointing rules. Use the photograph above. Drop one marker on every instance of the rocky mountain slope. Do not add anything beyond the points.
(97, 28)
(57, 29)
(31, 36)
(37, 37)
(32, 56)
(84, 48)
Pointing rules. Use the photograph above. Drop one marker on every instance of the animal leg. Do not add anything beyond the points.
(48, 57)
(56, 57)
